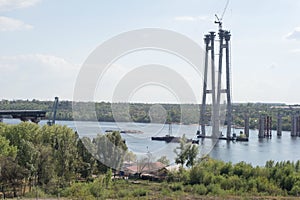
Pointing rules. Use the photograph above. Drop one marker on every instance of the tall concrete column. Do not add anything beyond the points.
(215, 113)
(246, 126)
(228, 87)
(279, 124)
(261, 129)
(294, 126)
(203, 105)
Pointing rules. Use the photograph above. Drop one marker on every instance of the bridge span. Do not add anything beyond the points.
(24, 115)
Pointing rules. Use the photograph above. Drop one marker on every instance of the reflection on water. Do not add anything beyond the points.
(256, 151)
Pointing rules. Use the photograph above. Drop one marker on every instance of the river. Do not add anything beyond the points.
(256, 151)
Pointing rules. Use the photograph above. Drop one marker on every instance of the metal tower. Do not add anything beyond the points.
(216, 86)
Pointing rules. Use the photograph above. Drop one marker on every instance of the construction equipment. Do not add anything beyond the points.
(54, 110)
(219, 20)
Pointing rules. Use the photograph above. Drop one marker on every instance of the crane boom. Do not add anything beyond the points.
(54, 110)
(219, 20)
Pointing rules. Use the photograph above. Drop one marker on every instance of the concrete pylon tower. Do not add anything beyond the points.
(216, 85)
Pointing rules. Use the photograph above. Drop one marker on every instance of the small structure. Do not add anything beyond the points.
(146, 170)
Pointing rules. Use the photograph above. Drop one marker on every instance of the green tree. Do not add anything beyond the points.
(108, 149)
(186, 153)
(7, 150)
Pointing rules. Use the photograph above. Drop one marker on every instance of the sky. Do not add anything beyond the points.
(44, 44)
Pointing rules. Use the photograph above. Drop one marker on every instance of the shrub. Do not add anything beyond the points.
(200, 189)
(215, 189)
(176, 187)
(35, 192)
(139, 192)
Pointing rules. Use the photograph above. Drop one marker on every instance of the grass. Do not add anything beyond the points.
(143, 190)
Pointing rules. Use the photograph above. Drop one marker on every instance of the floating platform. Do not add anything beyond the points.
(125, 131)
(240, 139)
(173, 139)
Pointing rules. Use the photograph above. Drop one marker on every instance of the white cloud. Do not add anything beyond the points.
(294, 35)
(295, 51)
(39, 61)
(10, 24)
(37, 76)
(191, 18)
(6, 5)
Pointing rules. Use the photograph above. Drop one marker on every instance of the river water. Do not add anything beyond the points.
(256, 151)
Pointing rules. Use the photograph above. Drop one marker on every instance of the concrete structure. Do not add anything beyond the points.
(279, 124)
(216, 87)
(24, 115)
(261, 128)
(265, 127)
(246, 128)
(295, 129)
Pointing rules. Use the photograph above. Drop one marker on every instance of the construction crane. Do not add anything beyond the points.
(219, 20)
(54, 109)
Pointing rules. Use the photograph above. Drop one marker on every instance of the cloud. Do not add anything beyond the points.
(50, 63)
(295, 51)
(191, 18)
(7, 5)
(37, 76)
(10, 24)
(294, 35)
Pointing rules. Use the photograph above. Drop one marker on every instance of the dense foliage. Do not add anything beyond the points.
(50, 157)
(217, 177)
(140, 112)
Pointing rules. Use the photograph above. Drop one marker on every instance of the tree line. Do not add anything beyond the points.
(48, 157)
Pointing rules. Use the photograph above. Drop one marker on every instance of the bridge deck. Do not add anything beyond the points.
(24, 115)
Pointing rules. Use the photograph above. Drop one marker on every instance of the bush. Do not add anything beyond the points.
(36, 192)
(123, 193)
(176, 187)
(165, 192)
(140, 192)
(200, 189)
(188, 188)
(215, 189)
(295, 191)
(78, 191)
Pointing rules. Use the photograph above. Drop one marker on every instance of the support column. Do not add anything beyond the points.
(279, 124)
(261, 130)
(215, 125)
(294, 126)
(228, 90)
(298, 126)
(246, 131)
(203, 105)
(221, 38)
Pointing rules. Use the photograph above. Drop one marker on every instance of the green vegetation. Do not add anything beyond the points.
(186, 153)
(49, 158)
